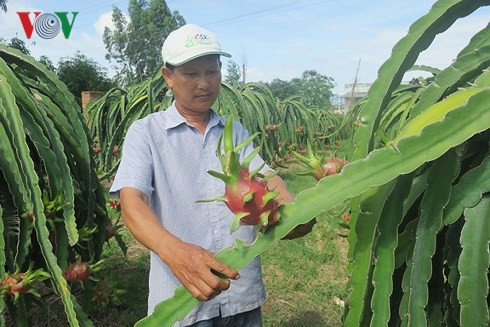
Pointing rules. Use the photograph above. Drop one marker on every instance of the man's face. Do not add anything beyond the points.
(195, 84)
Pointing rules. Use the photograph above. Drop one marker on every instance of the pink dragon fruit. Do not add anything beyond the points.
(246, 195)
(77, 272)
(18, 283)
(322, 166)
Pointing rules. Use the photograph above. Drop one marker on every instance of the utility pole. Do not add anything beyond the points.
(354, 85)
(244, 72)
(244, 68)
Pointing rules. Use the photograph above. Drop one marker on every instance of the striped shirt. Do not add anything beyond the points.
(167, 159)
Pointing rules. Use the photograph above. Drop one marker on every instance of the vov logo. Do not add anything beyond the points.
(47, 25)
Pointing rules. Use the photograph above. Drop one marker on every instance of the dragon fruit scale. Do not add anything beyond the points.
(246, 192)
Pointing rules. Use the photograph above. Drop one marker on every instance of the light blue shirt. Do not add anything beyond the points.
(167, 159)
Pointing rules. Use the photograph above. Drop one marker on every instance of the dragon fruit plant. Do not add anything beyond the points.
(322, 166)
(18, 283)
(246, 192)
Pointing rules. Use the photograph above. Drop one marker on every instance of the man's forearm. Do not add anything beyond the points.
(277, 183)
(143, 224)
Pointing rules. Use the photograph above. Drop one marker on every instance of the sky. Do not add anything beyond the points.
(275, 38)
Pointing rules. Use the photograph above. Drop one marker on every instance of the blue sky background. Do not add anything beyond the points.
(276, 39)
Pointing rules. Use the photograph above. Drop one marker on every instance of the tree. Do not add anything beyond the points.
(314, 88)
(282, 89)
(81, 73)
(233, 73)
(47, 62)
(3, 5)
(135, 45)
(16, 43)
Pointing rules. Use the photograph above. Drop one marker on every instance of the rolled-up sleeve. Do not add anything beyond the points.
(136, 167)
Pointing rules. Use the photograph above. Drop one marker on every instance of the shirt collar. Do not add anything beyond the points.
(174, 118)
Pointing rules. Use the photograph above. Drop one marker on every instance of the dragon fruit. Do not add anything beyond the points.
(114, 204)
(246, 192)
(77, 272)
(320, 167)
(14, 284)
(110, 231)
(18, 283)
(80, 271)
(106, 293)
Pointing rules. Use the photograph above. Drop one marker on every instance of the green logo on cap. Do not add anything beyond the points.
(197, 39)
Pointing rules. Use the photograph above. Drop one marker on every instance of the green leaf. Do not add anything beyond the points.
(236, 221)
(2, 266)
(425, 68)
(462, 69)
(473, 265)
(15, 178)
(248, 197)
(435, 306)
(468, 191)
(384, 251)
(40, 128)
(402, 253)
(453, 251)
(442, 173)
(256, 171)
(32, 183)
(218, 198)
(228, 136)
(404, 54)
(477, 41)
(245, 143)
(264, 218)
(269, 196)
(436, 112)
(418, 187)
(372, 204)
(246, 162)
(223, 177)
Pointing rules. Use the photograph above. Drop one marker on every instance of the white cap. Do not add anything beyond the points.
(190, 42)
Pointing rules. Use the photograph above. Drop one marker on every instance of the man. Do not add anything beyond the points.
(163, 173)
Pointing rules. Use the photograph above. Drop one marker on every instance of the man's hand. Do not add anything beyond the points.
(192, 266)
(277, 183)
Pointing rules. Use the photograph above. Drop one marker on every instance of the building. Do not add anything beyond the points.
(352, 93)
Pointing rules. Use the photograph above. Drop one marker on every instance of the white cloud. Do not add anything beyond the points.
(105, 20)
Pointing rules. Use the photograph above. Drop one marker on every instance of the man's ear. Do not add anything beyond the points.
(167, 75)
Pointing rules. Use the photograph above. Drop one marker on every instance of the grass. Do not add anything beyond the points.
(305, 278)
